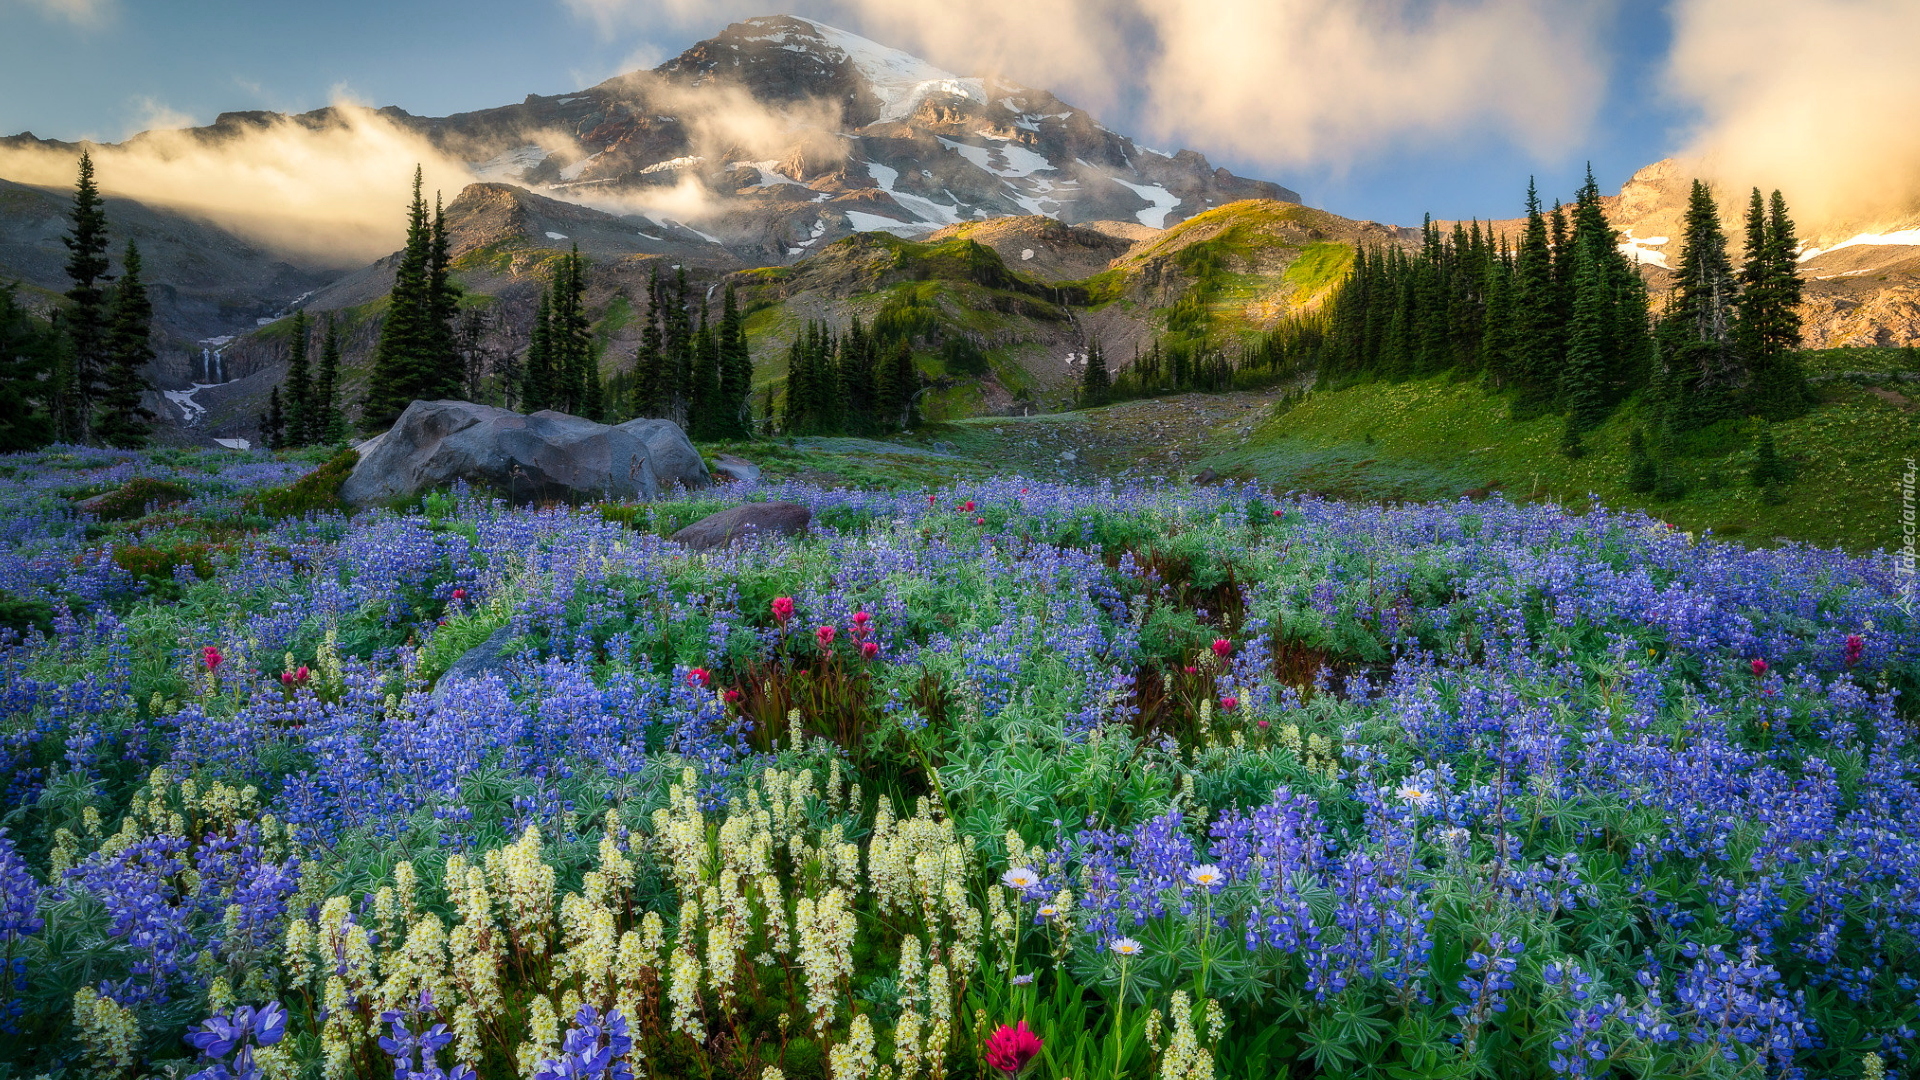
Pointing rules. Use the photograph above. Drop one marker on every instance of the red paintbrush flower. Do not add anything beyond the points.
(211, 657)
(968, 507)
(1856, 648)
(733, 697)
(1221, 647)
(869, 649)
(824, 635)
(783, 608)
(1228, 704)
(1759, 666)
(700, 677)
(1011, 1048)
(459, 594)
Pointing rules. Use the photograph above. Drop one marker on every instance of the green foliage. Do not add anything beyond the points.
(133, 498)
(318, 492)
(415, 358)
(20, 614)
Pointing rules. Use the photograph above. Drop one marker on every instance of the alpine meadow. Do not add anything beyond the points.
(798, 563)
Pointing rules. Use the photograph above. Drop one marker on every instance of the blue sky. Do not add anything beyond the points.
(109, 75)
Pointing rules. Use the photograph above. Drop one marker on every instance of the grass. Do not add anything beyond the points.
(1441, 439)
(853, 462)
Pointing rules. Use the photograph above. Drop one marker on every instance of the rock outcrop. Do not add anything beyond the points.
(545, 456)
(748, 519)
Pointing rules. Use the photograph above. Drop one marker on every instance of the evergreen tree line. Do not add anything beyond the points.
(79, 376)
(562, 369)
(698, 375)
(856, 383)
(1562, 320)
(1176, 363)
(308, 413)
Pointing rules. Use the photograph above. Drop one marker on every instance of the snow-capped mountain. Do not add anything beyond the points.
(780, 135)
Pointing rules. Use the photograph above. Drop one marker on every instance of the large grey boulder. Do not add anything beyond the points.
(747, 519)
(675, 461)
(547, 455)
(736, 469)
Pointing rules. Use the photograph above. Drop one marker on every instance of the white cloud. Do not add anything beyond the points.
(1283, 82)
(1820, 98)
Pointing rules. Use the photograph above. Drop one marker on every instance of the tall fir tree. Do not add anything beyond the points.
(1536, 308)
(897, 388)
(330, 422)
(1094, 380)
(123, 419)
(736, 372)
(83, 363)
(703, 385)
(273, 424)
(649, 360)
(416, 357)
(298, 400)
(1584, 385)
(537, 388)
(1702, 372)
(1768, 330)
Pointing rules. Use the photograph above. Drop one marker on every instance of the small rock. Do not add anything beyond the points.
(747, 519)
(486, 658)
(1206, 476)
(736, 470)
(1068, 455)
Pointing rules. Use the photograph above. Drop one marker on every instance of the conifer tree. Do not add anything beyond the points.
(735, 415)
(537, 387)
(1769, 318)
(1643, 475)
(330, 424)
(123, 420)
(1584, 385)
(443, 308)
(85, 318)
(1769, 468)
(27, 352)
(1094, 381)
(1701, 371)
(649, 360)
(1498, 349)
(703, 385)
(399, 356)
(298, 399)
(1535, 312)
(273, 425)
(416, 357)
(897, 386)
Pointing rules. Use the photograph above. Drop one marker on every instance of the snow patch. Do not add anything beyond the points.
(1025, 254)
(861, 221)
(899, 79)
(708, 237)
(1163, 201)
(551, 235)
(1902, 238)
(1016, 161)
(234, 444)
(919, 206)
(190, 410)
(672, 165)
(1641, 250)
(513, 164)
(573, 171)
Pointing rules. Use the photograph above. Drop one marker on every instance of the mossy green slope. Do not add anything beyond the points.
(1442, 439)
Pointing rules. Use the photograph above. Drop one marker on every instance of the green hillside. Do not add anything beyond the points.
(1440, 439)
